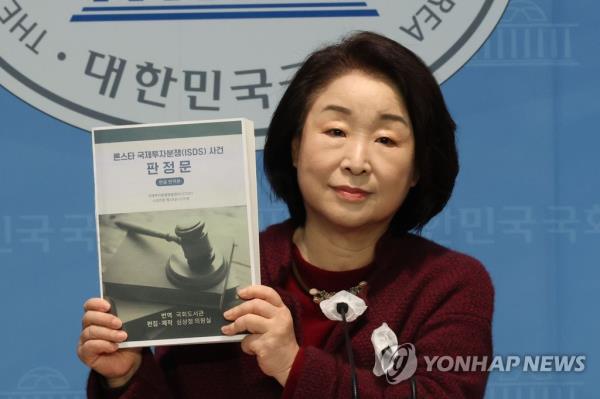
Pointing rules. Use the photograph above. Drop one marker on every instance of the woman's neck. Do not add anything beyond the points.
(337, 249)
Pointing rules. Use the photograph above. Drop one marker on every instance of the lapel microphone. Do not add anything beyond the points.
(342, 309)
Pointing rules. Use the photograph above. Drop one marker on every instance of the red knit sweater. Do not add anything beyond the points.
(437, 299)
(315, 326)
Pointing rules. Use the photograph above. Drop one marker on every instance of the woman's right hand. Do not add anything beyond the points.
(98, 348)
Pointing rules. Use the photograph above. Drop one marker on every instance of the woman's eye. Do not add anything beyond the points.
(386, 141)
(336, 132)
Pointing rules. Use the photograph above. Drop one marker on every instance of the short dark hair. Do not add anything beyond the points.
(436, 159)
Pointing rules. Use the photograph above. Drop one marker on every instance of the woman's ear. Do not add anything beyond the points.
(295, 149)
(415, 178)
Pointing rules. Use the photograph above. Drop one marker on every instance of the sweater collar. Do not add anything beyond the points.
(279, 246)
(327, 280)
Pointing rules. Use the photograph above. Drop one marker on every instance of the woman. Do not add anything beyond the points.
(361, 148)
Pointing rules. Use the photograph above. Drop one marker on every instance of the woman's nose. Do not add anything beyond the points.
(356, 157)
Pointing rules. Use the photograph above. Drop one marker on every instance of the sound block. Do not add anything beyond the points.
(181, 275)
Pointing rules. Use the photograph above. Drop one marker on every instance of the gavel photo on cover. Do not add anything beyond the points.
(199, 267)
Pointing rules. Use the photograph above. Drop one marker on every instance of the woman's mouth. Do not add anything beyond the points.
(352, 194)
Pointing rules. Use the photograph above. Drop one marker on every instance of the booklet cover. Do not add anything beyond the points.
(177, 222)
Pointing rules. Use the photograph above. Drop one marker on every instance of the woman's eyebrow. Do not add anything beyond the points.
(337, 108)
(394, 117)
(347, 111)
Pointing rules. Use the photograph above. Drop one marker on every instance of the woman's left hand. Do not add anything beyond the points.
(269, 321)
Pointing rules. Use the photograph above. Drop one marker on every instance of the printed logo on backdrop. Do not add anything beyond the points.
(42, 383)
(101, 62)
(527, 37)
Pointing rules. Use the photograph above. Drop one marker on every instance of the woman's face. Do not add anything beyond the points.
(355, 157)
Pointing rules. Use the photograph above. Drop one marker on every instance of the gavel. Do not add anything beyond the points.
(192, 238)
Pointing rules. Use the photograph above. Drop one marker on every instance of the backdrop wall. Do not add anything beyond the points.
(527, 204)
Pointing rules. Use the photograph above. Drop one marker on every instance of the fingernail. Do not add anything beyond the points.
(227, 314)
(116, 323)
(224, 329)
(122, 335)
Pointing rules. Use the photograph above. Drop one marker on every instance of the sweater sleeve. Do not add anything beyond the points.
(148, 383)
(459, 327)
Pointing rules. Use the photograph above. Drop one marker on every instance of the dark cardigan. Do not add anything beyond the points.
(437, 299)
